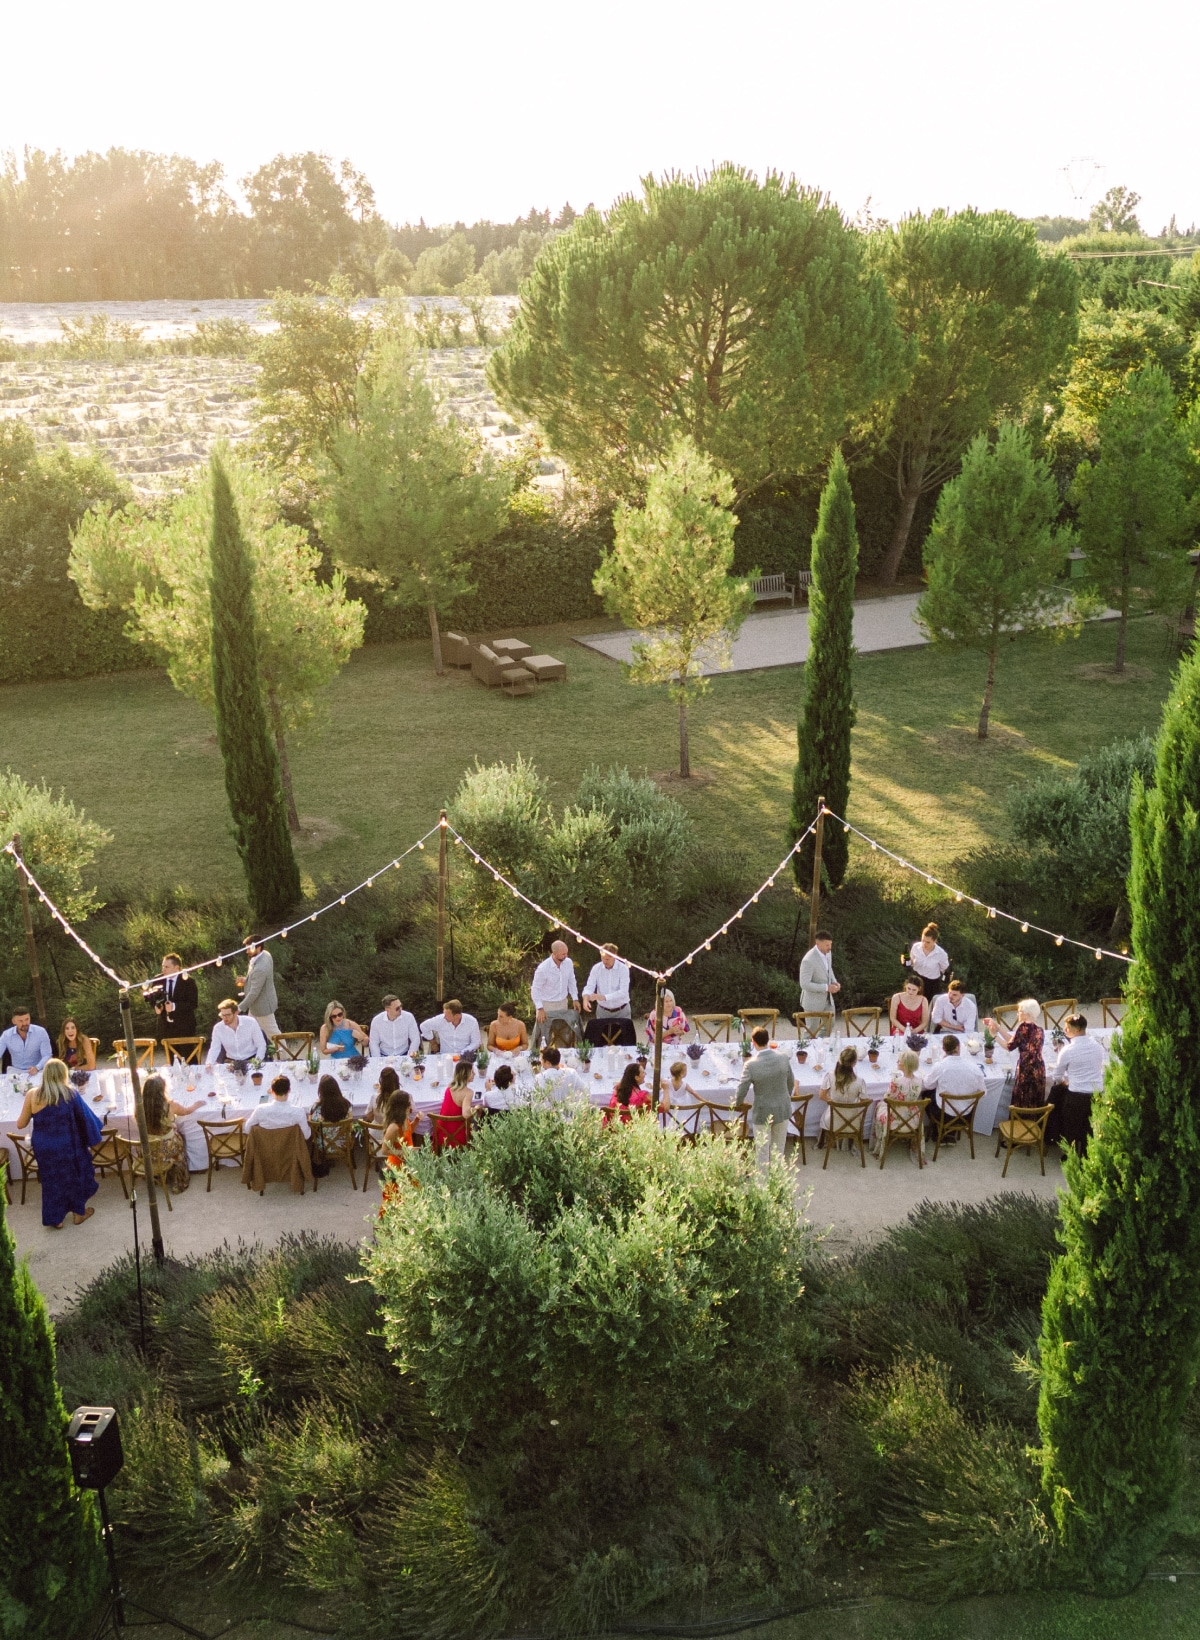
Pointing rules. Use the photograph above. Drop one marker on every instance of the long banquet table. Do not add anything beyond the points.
(712, 1078)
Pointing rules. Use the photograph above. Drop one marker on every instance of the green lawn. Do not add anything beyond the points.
(395, 740)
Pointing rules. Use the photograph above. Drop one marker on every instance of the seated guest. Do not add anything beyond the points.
(77, 1052)
(507, 1033)
(341, 1037)
(842, 1085)
(387, 1085)
(908, 1009)
(399, 1120)
(954, 1010)
(675, 1021)
(503, 1079)
(677, 1087)
(235, 1036)
(161, 1112)
(629, 1094)
(64, 1130)
(457, 1104)
(24, 1046)
(277, 1112)
(905, 1084)
(555, 1080)
(954, 1075)
(394, 1032)
(1080, 1072)
(332, 1104)
(455, 1031)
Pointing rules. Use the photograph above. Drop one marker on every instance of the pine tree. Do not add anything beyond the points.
(252, 779)
(1121, 1317)
(51, 1567)
(823, 736)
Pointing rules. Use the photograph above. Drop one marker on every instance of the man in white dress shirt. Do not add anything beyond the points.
(954, 1074)
(818, 983)
(456, 1032)
(1078, 1074)
(555, 992)
(277, 1113)
(555, 1080)
(240, 1036)
(395, 1031)
(607, 989)
(953, 1010)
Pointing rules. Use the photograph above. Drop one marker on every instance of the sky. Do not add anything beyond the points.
(476, 110)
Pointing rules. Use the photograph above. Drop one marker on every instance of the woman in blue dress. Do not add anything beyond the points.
(64, 1130)
(340, 1037)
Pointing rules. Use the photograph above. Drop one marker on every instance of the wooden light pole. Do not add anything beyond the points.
(441, 926)
(660, 990)
(814, 905)
(39, 1001)
(139, 1111)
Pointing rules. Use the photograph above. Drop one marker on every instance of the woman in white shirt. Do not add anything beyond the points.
(929, 962)
(842, 1085)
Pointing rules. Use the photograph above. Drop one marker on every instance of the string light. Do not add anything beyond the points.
(1024, 928)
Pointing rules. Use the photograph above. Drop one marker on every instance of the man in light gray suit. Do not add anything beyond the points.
(769, 1074)
(818, 984)
(258, 989)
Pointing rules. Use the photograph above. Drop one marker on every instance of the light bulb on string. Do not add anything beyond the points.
(313, 918)
(1024, 928)
(1099, 954)
(708, 945)
(283, 933)
(958, 899)
(844, 828)
(421, 846)
(1058, 939)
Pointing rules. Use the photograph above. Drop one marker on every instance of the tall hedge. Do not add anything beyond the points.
(1121, 1320)
(823, 736)
(252, 779)
(51, 1567)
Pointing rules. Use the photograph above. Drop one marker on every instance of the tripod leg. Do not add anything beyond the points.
(116, 1607)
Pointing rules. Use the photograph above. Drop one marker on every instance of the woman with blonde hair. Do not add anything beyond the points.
(675, 1021)
(905, 1084)
(842, 1085)
(452, 1124)
(64, 1131)
(1028, 1038)
(340, 1037)
(77, 1052)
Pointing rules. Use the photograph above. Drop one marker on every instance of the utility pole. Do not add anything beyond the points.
(814, 904)
(39, 1001)
(660, 989)
(139, 1111)
(441, 926)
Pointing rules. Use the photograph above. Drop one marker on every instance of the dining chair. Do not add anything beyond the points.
(799, 1116)
(861, 1021)
(28, 1161)
(905, 1125)
(106, 1155)
(184, 1050)
(1112, 1010)
(1025, 1129)
(1059, 1011)
(815, 1022)
(144, 1047)
(712, 1027)
(847, 1119)
(131, 1152)
(292, 1044)
(956, 1114)
(752, 1018)
(1006, 1016)
(225, 1140)
(334, 1142)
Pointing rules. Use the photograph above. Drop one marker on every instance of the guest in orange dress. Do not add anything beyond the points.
(400, 1119)
(506, 1033)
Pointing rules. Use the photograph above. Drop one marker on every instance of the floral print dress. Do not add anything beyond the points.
(1029, 1083)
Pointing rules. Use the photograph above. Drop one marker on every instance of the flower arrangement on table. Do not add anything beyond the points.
(79, 1077)
(873, 1047)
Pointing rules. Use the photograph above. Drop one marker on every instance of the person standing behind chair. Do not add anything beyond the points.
(395, 1031)
(175, 997)
(818, 983)
(555, 992)
(1080, 1072)
(24, 1046)
(929, 962)
(259, 999)
(608, 988)
(769, 1075)
(64, 1131)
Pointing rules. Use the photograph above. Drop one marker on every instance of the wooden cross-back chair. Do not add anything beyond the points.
(726, 1121)
(28, 1162)
(1006, 1016)
(144, 1046)
(107, 1154)
(905, 1125)
(445, 1131)
(752, 1018)
(371, 1134)
(956, 1114)
(1024, 1130)
(292, 1044)
(184, 1050)
(1112, 1010)
(861, 1021)
(846, 1121)
(814, 1022)
(685, 1121)
(131, 1151)
(1059, 1010)
(611, 1031)
(4, 1172)
(799, 1116)
(712, 1027)
(334, 1142)
(225, 1140)
(561, 1035)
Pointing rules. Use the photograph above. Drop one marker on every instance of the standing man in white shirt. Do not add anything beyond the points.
(608, 989)
(239, 1036)
(456, 1032)
(953, 1010)
(395, 1031)
(555, 992)
(1078, 1074)
(954, 1075)
(277, 1112)
(818, 983)
(259, 1000)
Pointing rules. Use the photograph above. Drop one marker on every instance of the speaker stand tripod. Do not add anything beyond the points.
(113, 1620)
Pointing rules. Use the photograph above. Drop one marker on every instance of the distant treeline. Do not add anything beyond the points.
(133, 226)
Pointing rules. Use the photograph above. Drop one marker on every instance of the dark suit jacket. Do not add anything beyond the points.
(187, 999)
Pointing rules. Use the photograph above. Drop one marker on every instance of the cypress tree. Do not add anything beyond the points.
(823, 736)
(252, 779)
(1121, 1317)
(51, 1565)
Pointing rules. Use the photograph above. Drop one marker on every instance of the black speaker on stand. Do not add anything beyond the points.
(94, 1444)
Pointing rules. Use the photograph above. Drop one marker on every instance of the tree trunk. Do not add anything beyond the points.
(436, 635)
(987, 693)
(1119, 663)
(285, 768)
(685, 767)
(910, 494)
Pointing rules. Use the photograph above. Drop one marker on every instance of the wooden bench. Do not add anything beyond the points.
(773, 589)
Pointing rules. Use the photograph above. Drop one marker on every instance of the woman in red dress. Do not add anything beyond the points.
(629, 1094)
(456, 1105)
(1029, 1079)
(909, 1010)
